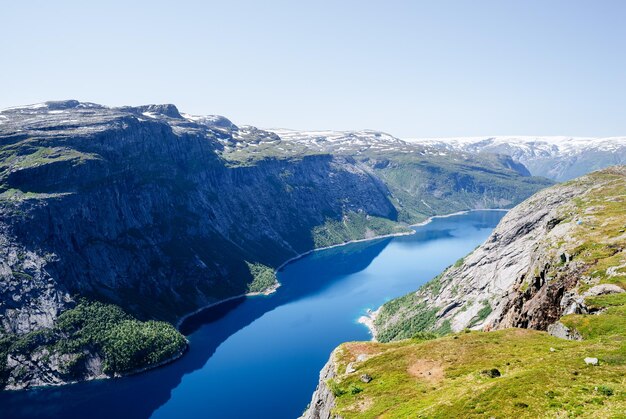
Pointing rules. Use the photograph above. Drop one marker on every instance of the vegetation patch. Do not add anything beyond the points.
(482, 314)
(263, 277)
(422, 318)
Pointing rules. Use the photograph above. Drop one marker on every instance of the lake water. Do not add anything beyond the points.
(260, 357)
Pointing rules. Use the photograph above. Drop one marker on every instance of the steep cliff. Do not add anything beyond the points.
(556, 262)
(538, 264)
(323, 400)
(163, 213)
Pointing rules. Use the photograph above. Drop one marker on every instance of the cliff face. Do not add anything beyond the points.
(537, 265)
(162, 213)
(131, 211)
(323, 400)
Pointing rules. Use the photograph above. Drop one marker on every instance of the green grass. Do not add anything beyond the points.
(422, 318)
(482, 314)
(534, 381)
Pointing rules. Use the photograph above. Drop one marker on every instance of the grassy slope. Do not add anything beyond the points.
(535, 381)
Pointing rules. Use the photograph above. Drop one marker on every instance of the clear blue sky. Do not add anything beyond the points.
(411, 68)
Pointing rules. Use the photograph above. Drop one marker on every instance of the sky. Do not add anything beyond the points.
(410, 68)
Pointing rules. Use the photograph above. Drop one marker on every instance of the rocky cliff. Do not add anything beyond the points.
(163, 213)
(538, 264)
(323, 400)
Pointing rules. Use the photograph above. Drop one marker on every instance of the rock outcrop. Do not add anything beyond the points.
(533, 269)
(323, 400)
(557, 263)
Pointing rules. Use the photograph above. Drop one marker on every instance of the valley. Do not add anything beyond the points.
(161, 213)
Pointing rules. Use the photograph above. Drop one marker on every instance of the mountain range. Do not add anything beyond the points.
(558, 158)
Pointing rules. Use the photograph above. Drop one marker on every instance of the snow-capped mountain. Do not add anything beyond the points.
(350, 141)
(558, 158)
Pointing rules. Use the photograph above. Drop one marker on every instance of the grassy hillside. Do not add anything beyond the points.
(503, 374)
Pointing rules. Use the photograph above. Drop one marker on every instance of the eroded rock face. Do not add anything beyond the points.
(561, 331)
(30, 297)
(524, 275)
(323, 400)
(45, 368)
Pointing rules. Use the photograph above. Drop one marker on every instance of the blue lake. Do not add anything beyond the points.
(259, 357)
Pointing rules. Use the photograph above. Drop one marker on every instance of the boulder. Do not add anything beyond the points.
(350, 368)
(603, 289)
(491, 373)
(561, 331)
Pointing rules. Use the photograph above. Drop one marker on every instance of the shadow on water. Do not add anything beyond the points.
(140, 395)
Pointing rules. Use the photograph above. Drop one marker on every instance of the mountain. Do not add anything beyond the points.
(423, 180)
(529, 324)
(557, 158)
(136, 214)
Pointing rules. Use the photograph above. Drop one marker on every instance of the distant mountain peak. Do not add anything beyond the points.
(557, 157)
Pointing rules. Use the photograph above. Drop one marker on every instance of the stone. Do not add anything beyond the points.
(561, 331)
(366, 378)
(350, 368)
(604, 289)
(591, 361)
(491, 373)
(361, 357)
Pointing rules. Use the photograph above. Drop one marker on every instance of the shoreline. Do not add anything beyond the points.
(429, 219)
(274, 288)
(268, 291)
(369, 323)
(368, 320)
